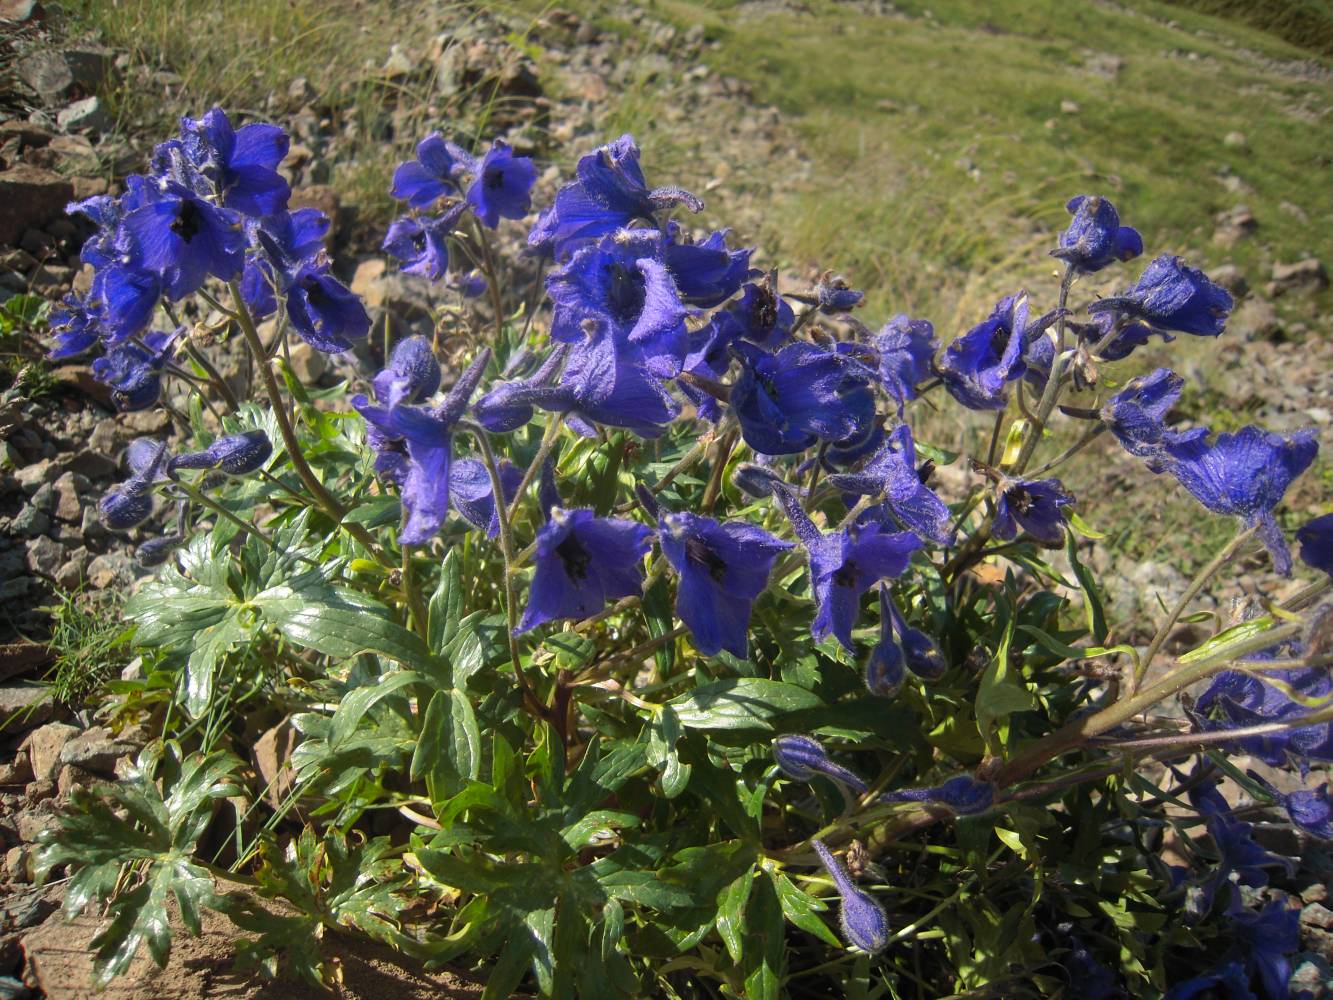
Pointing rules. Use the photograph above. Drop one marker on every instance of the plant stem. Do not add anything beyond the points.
(1051, 394)
(214, 376)
(549, 435)
(322, 496)
(531, 702)
(1191, 592)
(412, 596)
(1092, 434)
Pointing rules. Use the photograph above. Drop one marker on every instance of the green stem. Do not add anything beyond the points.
(1051, 394)
(1192, 591)
(549, 435)
(412, 596)
(214, 376)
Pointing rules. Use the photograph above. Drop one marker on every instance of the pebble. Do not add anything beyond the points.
(86, 115)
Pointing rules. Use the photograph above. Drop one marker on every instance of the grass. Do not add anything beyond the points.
(90, 647)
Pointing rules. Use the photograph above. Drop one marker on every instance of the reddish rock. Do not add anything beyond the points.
(30, 198)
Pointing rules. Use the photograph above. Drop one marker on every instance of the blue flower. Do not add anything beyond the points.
(1236, 700)
(74, 327)
(788, 401)
(185, 239)
(1231, 976)
(421, 243)
(502, 185)
(1129, 335)
(583, 561)
(234, 454)
(620, 290)
(723, 568)
(1095, 237)
(1244, 474)
(155, 551)
(884, 673)
(1269, 936)
(435, 172)
(761, 316)
(1136, 415)
(131, 503)
(905, 348)
(706, 274)
(844, 565)
(963, 795)
(324, 311)
(865, 925)
(133, 371)
(1170, 295)
(1316, 538)
(754, 480)
(279, 245)
(833, 295)
(509, 405)
(242, 163)
(472, 496)
(1034, 505)
(893, 473)
(610, 193)
(1234, 840)
(1310, 809)
(411, 375)
(803, 757)
(124, 299)
(920, 652)
(708, 357)
(978, 366)
(428, 438)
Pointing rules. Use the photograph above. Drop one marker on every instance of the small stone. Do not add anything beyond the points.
(1318, 915)
(367, 282)
(1255, 319)
(86, 115)
(17, 865)
(1306, 275)
(38, 790)
(31, 477)
(110, 568)
(44, 555)
(94, 750)
(73, 779)
(1316, 893)
(398, 64)
(91, 68)
(1229, 276)
(45, 498)
(46, 72)
(77, 152)
(30, 196)
(33, 824)
(44, 746)
(51, 280)
(300, 92)
(1068, 107)
(17, 772)
(67, 488)
(30, 522)
(308, 364)
(39, 243)
(1234, 225)
(17, 10)
(1234, 140)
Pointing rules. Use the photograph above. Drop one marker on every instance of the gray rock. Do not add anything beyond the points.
(1234, 225)
(1229, 276)
(44, 746)
(94, 750)
(1306, 275)
(86, 115)
(46, 72)
(44, 499)
(32, 824)
(1255, 319)
(31, 477)
(71, 572)
(90, 68)
(68, 506)
(28, 705)
(31, 521)
(18, 861)
(17, 772)
(300, 92)
(110, 568)
(44, 555)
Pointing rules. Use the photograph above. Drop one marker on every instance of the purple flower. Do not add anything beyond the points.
(1235, 844)
(1033, 505)
(509, 405)
(1236, 700)
(893, 473)
(619, 289)
(324, 311)
(978, 366)
(884, 667)
(472, 496)
(1129, 336)
(411, 375)
(124, 299)
(435, 172)
(428, 438)
(833, 295)
(1095, 237)
(1269, 936)
(502, 185)
(242, 163)
(761, 316)
(582, 562)
(865, 925)
(801, 758)
(1316, 538)
(614, 388)
(234, 454)
(1244, 474)
(609, 193)
(131, 503)
(74, 327)
(963, 795)
(1170, 295)
(921, 654)
(185, 239)
(844, 565)
(421, 244)
(133, 371)
(723, 568)
(1231, 977)
(906, 348)
(706, 274)
(1136, 415)
(788, 401)
(1310, 809)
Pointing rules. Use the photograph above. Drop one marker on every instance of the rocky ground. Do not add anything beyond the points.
(60, 449)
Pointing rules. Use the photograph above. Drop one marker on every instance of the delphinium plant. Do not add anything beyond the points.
(634, 652)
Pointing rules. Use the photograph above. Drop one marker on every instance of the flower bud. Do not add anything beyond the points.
(754, 480)
(884, 669)
(801, 758)
(235, 454)
(865, 925)
(412, 373)
(964, 795)
(155, 551)
(920, 653)
(124, 508)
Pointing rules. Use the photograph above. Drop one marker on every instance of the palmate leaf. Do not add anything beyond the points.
(337, 621)
(132, 824)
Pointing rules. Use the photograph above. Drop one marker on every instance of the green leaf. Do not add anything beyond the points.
(731, 914)
(359, 701)
(1000, 692)
(765, 945)
(210, 646)
(1092, 601)
(338, 621)
(1081, 526)
(445, 609)
(449, 749)
(802, 910)
(741, 703)
(1237, 633)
